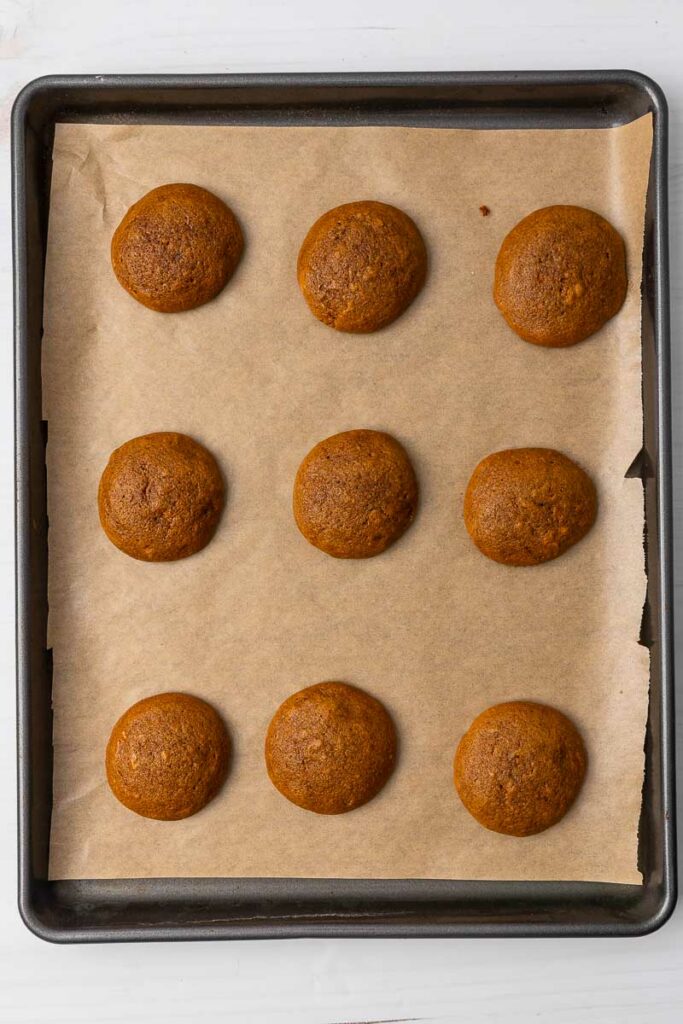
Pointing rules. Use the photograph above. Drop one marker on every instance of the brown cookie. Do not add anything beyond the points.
(560, 275)
(524, 506)
(330, 748)
(361, 265)
(167, 756)
(519, 767)
(160, 497)
(176, 248)
(355, 493)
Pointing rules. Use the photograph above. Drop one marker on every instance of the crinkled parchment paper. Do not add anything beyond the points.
(432, 627)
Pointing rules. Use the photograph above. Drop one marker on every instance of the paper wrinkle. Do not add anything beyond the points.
(86, 790)
(431, 627)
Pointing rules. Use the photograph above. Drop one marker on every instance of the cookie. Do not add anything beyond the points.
(355, 493)
(519, 767)
(167, 756)
(330, 748)
(160, 497)
(560, 275)
(361, 265)
(176, 248)
(524, 506)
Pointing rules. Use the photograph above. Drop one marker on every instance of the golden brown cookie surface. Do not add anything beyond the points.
(167, 756)
(176, 248)
(519, 767)
(524, 506)
(160, 497)
(330, 748)
(355, 493)
(361, 265)
(560, 275)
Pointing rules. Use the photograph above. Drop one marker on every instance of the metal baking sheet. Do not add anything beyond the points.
(134, 909)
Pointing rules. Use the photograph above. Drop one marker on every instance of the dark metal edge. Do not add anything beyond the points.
(636, 79)
(664, 479)
(26, 908)
(307, 927)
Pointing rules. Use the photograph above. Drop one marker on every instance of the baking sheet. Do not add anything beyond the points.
(431, 627)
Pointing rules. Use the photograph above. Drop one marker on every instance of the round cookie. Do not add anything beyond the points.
(330, 748)
(167, 756)
(524, 506)
(355, 493)
(361, 265)
(160, 497)
(519, 767)
(176, 248)
(560, 275)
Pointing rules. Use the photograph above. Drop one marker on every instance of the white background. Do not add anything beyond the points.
(321, 981)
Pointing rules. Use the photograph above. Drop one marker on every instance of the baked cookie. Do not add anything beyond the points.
(524, 506)
(160, 497)
(355, 493)
(519, 767)
(176, 248)
(361, 265)
(330, 748)
(167, 756)
(560, 275)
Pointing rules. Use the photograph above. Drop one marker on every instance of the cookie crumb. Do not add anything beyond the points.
(484, 210)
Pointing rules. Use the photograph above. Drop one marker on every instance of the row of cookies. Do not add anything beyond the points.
(331, 747)
(560, 274)
(161, 495)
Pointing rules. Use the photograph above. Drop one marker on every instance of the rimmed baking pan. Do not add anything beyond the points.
(177, 908)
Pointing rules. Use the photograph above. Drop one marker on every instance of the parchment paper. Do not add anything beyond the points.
(432, 628)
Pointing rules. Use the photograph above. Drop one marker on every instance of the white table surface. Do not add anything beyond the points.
(320, 981)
